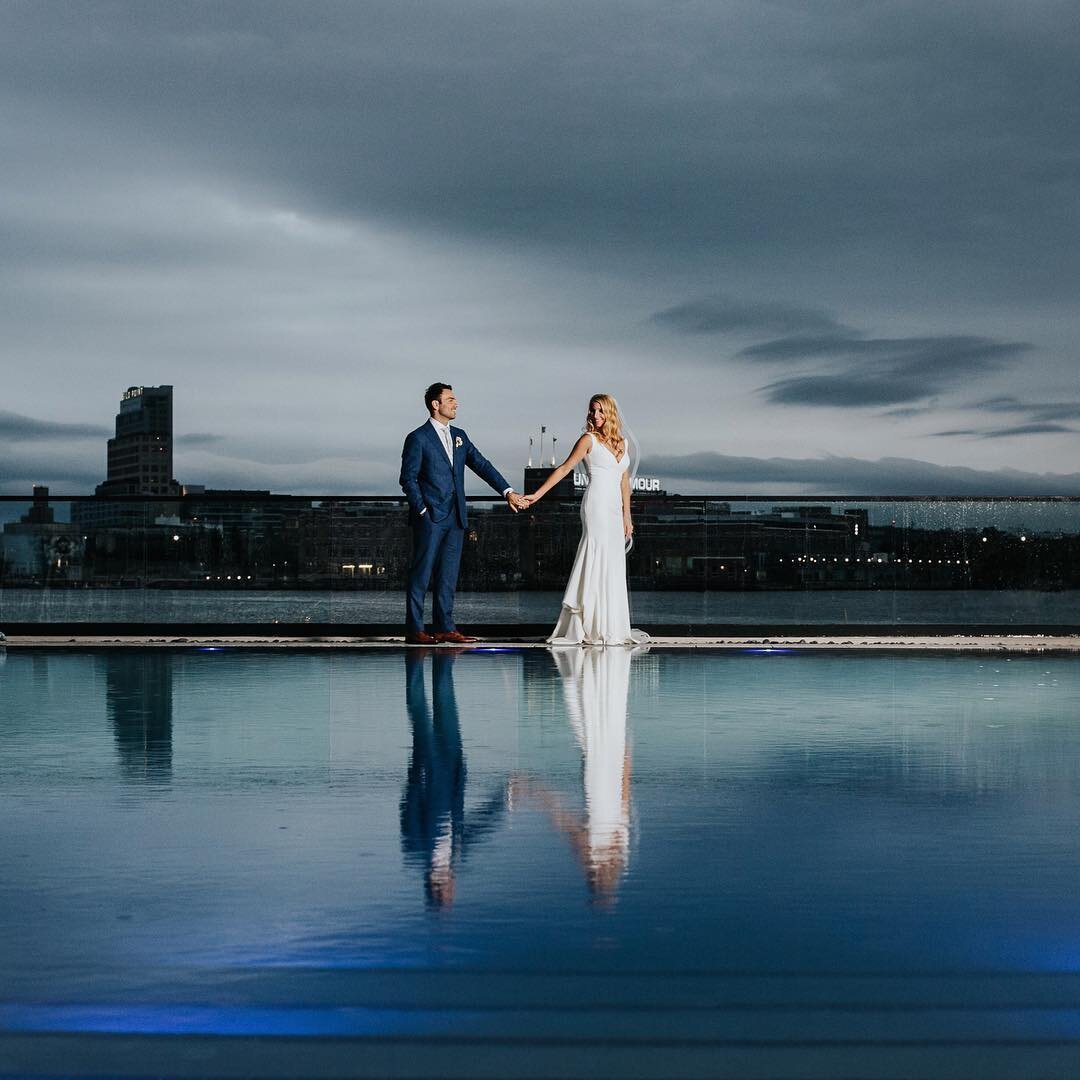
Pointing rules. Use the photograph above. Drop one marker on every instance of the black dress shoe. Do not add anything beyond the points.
(420, 638)
(453, 637)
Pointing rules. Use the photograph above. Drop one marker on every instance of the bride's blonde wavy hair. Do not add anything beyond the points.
(611, 431)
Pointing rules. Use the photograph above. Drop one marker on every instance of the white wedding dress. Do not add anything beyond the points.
(595, 607)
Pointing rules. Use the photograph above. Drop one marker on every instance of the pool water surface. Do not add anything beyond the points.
(548, 856)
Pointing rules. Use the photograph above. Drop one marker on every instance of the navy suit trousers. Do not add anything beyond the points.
(436, 557)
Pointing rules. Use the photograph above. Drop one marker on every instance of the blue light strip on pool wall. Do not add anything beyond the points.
(225, 1020)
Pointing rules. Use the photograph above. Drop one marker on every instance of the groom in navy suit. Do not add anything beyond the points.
(433, 464)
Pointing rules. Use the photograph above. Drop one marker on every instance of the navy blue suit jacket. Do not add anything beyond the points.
(429, 481)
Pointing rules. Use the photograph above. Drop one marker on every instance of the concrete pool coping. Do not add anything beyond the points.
(995, 643)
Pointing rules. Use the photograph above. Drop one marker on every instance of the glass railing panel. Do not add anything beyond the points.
(901, 561)
(357, 550)
(251, 558)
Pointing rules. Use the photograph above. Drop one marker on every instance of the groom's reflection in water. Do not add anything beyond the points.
(139, 702)
(596, 685)
(434, 830)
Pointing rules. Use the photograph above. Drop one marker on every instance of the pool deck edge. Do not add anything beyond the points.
(997, 643)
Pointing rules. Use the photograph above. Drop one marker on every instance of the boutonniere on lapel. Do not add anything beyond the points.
(457, 442)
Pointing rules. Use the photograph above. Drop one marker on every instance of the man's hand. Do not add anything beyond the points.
(515, 501)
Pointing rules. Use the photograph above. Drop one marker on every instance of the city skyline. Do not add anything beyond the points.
(810, 247)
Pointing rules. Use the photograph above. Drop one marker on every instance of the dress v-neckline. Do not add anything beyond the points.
(618, 460)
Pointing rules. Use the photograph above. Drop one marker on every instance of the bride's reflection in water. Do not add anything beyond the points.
(596, 686)
(436, 831)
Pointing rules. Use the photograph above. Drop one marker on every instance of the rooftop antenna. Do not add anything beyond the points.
(530, 465)
(543, 431)
(554, 440)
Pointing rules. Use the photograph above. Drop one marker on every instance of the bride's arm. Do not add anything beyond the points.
(581, 448)
(627, 524)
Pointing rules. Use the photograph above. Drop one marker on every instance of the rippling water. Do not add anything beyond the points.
(178, 826)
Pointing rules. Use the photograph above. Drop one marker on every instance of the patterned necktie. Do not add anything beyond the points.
(445, 432)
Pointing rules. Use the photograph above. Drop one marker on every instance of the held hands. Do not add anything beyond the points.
(516, 502)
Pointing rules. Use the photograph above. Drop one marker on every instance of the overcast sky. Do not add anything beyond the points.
(830, 245)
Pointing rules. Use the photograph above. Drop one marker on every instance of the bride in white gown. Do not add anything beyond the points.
(595, 606)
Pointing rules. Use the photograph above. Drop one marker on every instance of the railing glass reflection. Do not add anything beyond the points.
(261, 559)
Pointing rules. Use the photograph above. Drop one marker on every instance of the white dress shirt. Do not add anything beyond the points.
(443, 431)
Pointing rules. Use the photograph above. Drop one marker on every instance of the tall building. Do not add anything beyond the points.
(140, 455)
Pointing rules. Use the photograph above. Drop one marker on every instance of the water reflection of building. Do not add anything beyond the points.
(139, 704)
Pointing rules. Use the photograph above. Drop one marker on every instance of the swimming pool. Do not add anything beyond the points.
(519, 862)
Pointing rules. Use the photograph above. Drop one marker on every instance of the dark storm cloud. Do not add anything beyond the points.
(65, 472)
(198, 438)
(805, 347)
(1035, 410)
(907, 412)
(15, 426)
(1039, 418)
(746, 129)
(862, 371)
(881, 371)
(1006, 432)
(857, 476)
(161, 161)
(846, 391)
(1027, 429)
(913, 355)
(720, 314)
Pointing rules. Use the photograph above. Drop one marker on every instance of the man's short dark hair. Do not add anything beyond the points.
(434, 393)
